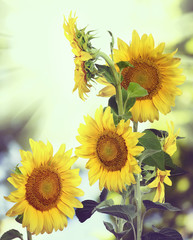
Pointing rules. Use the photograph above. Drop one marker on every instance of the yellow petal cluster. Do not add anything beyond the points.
(111, 150)
(161, 178)
(154, 70)
(81, 57)
(46, 188)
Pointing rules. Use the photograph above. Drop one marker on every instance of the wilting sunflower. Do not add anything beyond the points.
(154, 70)
(161, 178)
(110, 150)
(169, 145)
(46, 188)
(81, 56)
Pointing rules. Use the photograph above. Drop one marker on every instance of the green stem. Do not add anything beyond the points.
(29, 235)
(117, 80)
(119, 100)
(111, 65)
(134, 233)
(138, 196)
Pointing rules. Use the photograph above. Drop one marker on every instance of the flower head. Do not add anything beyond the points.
(84, 66)
(111, 150)
(169, 145)
(155, 71)
(158, 183)
(46, 188)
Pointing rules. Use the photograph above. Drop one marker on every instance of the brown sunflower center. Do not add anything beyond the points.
(43, 188)
(143, 73)
(112, 151)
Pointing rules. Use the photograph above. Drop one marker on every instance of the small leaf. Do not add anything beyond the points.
(124, 64)
(86, 212)
(111, 43)
(19, 218)
(150, 141)
(110, 228)
(127, 212)
(11, 234)
(163, 206)
(135, 90)
(103, 195)
(113, 104)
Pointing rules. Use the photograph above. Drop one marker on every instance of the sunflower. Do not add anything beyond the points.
(169, 145)
(46, 188)
(110, 150)
(154, 70)
(161, 178)
(81, 56)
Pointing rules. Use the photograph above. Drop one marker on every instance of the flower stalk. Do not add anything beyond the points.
(29, 235)
(138, 195)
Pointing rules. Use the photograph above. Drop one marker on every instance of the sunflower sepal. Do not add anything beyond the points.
(19, 218)
(123, 64)
(111, 43)
(17, 170)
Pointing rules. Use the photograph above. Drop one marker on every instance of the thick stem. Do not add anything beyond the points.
(29, 235)
(119, 100)
(111, 65)
(138, 196)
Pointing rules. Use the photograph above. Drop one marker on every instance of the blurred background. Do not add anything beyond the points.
(36, 100)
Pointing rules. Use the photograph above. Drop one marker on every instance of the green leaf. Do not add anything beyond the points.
(108, 202)
(110, 228)
(147, 153)
(19, 218)
(135, 90)
(171, 233)
(111, 43)
(159, 133)
(156, 160)
(163, 206)
(11, 234)
(150, 141)
(127, 212)
(124, 64)
(86, 212)
(163, 234)
(113, 104)
(106, 72)
(129, 104)
(126, 116)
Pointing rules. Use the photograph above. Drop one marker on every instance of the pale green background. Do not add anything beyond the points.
(41, 73)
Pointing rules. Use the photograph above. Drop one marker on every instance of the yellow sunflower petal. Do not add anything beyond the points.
(108, 148)
(50, 181)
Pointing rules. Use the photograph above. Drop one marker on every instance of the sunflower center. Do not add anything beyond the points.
(112, 151)
(143, 73)
(43, 188)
